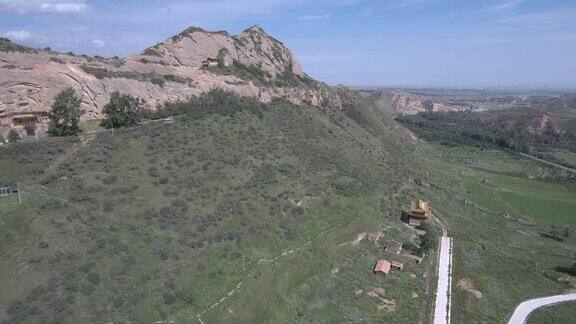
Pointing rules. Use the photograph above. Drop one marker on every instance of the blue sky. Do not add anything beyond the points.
(430, 43)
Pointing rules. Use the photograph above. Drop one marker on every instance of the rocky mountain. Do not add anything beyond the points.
(252, 64)
(397, 102)
(556, 117)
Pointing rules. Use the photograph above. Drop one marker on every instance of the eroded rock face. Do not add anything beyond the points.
(252, 64)
(396, 102)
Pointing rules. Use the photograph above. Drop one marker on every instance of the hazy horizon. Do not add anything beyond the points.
(496, 44)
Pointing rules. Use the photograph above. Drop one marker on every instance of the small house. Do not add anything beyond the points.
(382, 268)
(393, 247)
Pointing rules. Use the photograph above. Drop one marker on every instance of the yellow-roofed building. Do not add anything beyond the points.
(419, 210)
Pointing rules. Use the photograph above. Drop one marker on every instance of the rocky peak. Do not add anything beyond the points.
(252, 64)
(253, 48)
(255, 29)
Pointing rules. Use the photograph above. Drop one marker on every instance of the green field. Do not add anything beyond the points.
(563, 313)
(498, 231)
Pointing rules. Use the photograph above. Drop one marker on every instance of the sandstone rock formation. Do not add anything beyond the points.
(397, 102)
(188, 64)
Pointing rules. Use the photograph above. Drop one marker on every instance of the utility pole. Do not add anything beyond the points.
(19, 197)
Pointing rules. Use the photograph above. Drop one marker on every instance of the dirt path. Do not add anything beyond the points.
(526, 308)
(248, 276)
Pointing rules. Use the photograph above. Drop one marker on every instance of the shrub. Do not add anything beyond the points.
(122, 111)
(30, 129)
(217, 101)
(13, 136)
(65, 114)
(158, 81)
(429, 241)
(94, 278)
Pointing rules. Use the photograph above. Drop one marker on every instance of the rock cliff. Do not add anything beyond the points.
(195, 61)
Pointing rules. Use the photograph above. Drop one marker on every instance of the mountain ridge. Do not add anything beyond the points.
(251, 64)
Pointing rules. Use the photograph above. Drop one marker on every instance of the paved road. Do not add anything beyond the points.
(526, 308)
(443, 292)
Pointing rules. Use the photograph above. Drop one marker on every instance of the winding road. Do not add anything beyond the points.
(526, 308)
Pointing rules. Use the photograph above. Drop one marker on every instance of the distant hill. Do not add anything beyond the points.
(413, 101)
(251, 64)
(554, 118)
(399, 102)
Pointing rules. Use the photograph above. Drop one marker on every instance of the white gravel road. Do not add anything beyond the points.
(443, 292)
(526, 308)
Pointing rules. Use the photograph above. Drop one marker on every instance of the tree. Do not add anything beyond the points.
(428, 242)
(13, 136)
(65, 114)
(30, 129)
(122, 110)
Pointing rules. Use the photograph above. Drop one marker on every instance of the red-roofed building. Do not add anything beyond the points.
(382, 268)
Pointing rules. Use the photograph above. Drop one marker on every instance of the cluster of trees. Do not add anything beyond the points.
(216, 101)
(462, 128)
(124, 110)
(429, 241)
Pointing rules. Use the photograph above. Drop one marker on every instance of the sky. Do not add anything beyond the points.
(389, 43)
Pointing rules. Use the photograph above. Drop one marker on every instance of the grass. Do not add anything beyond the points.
(161, 221)
(90, 126)
(562, 313)
(164, 220)
(539, 201)
(497, 225)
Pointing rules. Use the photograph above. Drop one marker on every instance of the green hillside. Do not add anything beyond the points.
(250, 216)
(165, 219)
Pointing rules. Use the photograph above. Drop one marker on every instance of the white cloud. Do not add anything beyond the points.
(98, 43)
(26, 37)
(507, 5)
(413, 2)
(551, 17)
(54, 6)
(314, 17)
(19, 35)
(64, 7)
